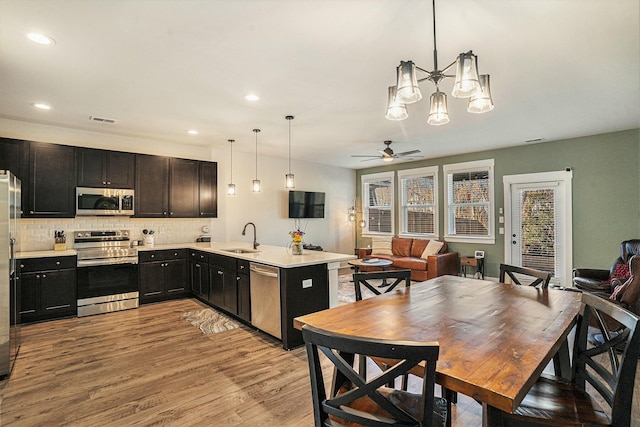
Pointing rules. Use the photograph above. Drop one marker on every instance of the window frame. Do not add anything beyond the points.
(430, 171)
(466, 167)
(365, 180)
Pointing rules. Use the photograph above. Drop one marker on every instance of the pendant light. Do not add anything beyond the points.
(231, 188)
(256, 182)
(289, 179)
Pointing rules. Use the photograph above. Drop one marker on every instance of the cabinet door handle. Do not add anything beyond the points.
(30, 212)
(238, 278)
(164, 212)
(220, 273)
(153, 256)
(21, 265)
(44, 276)
(242, 267)
(57, 262)
(104, 182)
(108, 182)
(37, 276)
(198, 265)
(56, 307)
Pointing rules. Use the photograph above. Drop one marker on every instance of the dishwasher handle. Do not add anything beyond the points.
(263, 271)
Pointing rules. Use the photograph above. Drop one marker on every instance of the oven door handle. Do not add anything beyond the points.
(114, 261)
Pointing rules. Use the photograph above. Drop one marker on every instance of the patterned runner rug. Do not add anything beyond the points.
(210, 321)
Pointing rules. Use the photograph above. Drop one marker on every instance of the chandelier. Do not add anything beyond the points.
(467, 84)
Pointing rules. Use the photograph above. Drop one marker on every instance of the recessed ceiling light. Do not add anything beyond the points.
(192, 132)
(41, 38)
(41, 106)
(252, 97)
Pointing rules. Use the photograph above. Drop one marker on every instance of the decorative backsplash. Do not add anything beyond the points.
(38, 234)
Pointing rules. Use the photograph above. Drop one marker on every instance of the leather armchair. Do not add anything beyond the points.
(604, 281)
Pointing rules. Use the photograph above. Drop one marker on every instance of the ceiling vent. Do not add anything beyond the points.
(535, 140)
(102, 119)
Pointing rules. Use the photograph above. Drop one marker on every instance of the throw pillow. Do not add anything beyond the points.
(381, 246)
(621, 271)
(433, 247)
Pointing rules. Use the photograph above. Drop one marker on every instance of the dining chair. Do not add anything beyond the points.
(608, 369)
(353, 399)
(541, 278)
(391, 279)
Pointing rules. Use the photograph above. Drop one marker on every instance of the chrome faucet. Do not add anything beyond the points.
(244, 232)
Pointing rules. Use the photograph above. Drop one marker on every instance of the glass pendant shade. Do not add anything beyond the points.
(438, 113)
(231, 189)
(407, 90)
(396, 110)
(352, 217)
(289, 181)
(467, 82)
(481, 102)
(256, 186)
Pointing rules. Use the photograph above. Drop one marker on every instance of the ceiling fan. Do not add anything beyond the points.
(388, 155)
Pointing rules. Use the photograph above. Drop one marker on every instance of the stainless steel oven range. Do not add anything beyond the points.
(107, 271)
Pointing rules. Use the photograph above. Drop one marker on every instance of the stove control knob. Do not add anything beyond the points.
(125, 233)
(87, 234)
(79, 234)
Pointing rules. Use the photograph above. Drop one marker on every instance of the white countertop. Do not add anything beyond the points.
(276, 256)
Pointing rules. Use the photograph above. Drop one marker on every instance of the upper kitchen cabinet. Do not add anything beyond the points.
(152, 184)
(50, 192)
(105, 168)
(175, 188)
(11, 156)
(208, 189)
(183, 188)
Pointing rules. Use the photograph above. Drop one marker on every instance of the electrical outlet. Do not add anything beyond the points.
(501, 230)
(501, 220)
(307, 283)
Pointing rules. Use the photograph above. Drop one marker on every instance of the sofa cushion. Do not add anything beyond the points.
(381, 246)
(401, 246)
(418, 247)
(410, 263)
(433, 247)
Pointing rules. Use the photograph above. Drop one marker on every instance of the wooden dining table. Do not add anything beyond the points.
(495, 338)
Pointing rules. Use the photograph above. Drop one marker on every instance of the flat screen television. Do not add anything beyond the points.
(306, 204)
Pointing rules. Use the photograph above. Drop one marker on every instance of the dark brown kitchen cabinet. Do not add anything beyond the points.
(11, 151)
(152, 183)
(50, 189)
(183, 188)
(199, 274)
(208, 189)
(229, 285)
(47, 288)
(105, 168)
(162, 275)
(244, 292)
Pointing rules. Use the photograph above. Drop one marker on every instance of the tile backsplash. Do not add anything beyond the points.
(37, 234)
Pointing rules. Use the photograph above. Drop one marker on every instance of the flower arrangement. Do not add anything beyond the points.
(296, 235)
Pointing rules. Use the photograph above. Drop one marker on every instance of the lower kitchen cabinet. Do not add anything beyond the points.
(47, 288)
(199, 274)
(229, 285)
(162, 275)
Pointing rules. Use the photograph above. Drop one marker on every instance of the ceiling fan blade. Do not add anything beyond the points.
(408, 153)
(368, 160)
(364, 155)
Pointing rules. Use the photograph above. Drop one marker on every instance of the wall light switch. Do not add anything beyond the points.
(307, 283)
(501, 230)
(501, 220)
(500, 210)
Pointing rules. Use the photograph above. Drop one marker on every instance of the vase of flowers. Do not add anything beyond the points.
(296, 242)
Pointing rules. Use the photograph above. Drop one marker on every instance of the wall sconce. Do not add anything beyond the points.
(256, 182)
(231, 188)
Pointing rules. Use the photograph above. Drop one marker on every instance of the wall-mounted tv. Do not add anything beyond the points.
(306, 204)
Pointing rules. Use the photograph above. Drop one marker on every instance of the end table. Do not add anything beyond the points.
(470, 261)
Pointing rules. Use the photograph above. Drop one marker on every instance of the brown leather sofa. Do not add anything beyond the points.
(406, 255)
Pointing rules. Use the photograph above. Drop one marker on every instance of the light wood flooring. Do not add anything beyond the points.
(149, 367)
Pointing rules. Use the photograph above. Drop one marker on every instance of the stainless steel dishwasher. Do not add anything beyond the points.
(265, 298)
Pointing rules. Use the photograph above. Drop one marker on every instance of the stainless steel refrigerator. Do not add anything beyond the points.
(9, 292)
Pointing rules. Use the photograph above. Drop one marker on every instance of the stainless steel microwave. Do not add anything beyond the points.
(104, 201)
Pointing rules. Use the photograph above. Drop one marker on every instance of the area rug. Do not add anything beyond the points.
(346, 291)
(210, 321)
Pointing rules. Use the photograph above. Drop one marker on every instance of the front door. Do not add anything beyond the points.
(538, 223)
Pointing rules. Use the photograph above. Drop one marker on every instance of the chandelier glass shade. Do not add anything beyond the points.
(468, 83)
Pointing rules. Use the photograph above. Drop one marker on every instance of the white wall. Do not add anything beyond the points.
(267, 209)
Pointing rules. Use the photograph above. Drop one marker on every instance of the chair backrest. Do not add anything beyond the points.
(351, 390)
(613, 376)
(541, 278)
(392, 278)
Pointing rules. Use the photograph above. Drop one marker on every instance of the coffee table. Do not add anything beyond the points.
(381, 263)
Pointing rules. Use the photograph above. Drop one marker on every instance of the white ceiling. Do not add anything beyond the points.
(559, 69)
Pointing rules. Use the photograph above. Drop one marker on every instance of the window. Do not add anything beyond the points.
(377, 202)
(419, 201)
(469, 202)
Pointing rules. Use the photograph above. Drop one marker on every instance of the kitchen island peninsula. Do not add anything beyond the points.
(267, 287)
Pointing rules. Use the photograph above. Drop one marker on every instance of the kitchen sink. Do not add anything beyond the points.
(241, 251)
